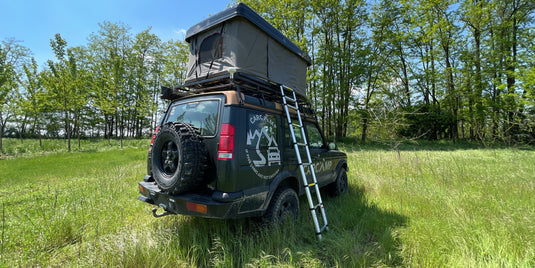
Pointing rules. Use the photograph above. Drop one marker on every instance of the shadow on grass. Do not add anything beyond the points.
(360, 234)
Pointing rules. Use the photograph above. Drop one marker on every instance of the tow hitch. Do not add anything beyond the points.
(156, 215)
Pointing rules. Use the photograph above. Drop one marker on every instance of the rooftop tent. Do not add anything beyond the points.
(238, 38)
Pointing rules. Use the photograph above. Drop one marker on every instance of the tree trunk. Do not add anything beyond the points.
(122, 130)
(1, 137)
(450, 89)
(67, 127)
(78, 130)
(407, 91)
(40, 138)
(364, 128)
(480, 115)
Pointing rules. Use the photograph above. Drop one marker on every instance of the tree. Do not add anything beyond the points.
(12, 55)
(110, 49)
(175, 65)
(33, 97)
(475, 16)
(147, 68)
(64, 84)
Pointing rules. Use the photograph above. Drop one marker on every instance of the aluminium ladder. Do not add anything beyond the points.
(290, 102)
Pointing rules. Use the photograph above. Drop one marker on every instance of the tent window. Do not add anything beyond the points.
(211, 48)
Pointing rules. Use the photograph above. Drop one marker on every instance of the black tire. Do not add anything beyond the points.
(178, 158)
(339, 186)
(284, 206)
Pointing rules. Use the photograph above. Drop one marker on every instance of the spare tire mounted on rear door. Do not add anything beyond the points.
(178, 158)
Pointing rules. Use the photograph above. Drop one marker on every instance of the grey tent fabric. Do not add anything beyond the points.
(239, 39)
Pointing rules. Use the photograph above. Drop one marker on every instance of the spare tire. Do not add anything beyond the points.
(178, 158)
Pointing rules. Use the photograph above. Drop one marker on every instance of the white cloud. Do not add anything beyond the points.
(181, 33)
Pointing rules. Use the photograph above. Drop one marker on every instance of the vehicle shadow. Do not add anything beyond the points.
(360, 234)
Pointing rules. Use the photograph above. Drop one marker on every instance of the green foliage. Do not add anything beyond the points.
(12, 55)
(465, 59)
(425, 121)
(108, 88)
(33, 98)
(378, 68)
(66, 85)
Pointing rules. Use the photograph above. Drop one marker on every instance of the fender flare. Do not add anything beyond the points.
(342, 164)
(286, 178)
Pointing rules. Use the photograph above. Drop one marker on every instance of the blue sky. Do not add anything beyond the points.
(35, 22)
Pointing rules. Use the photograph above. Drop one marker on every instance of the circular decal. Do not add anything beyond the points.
(262, 149)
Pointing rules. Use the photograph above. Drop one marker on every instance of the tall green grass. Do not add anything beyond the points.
(431, 206)
(463, 207)
(52, 203)
(32, 147)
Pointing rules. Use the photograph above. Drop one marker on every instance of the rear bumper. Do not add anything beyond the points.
(195, 204)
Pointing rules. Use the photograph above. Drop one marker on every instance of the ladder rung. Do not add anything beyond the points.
(323, 228)
(287, 88)
(306, 164)
(289, 98)
(301, 144)
(291, 106)
(319, 205)
(297, 125)
(310, 185)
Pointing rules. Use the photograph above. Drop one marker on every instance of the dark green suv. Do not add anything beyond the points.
(223, 148)
(227, 153)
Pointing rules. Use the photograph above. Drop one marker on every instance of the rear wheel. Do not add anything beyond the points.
(284, 207)
(178, 158)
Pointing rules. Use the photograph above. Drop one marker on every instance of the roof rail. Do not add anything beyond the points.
(241, 82)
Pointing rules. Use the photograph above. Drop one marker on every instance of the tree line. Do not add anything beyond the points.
(408, 69)
(108, 88)
(381, 69)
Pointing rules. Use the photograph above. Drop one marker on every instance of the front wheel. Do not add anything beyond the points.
(339, 186)
(283, 207)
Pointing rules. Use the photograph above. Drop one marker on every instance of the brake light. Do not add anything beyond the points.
(226, 142)
(153, 136)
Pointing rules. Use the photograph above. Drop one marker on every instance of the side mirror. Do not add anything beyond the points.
(333, 146)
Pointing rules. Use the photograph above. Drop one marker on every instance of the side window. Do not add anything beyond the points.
(262, 139)
(314, 136)
(288, 139)
(211, 48)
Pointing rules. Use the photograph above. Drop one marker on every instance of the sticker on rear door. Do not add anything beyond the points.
(263, 153)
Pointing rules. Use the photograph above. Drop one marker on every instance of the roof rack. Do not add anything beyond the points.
(241, 82)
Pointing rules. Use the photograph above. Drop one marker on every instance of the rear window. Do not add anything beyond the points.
(202, 114)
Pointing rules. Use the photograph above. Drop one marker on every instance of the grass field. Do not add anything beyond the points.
(424, 205)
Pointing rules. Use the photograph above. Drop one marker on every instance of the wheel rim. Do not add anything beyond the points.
(287, 210)
(170, 158)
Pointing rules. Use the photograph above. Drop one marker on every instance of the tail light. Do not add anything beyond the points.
(226, 142)
(153, 136)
